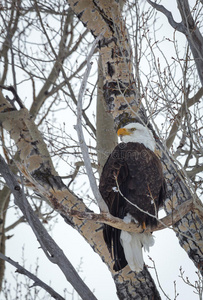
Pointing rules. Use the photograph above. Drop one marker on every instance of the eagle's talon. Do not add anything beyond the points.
(143, 225)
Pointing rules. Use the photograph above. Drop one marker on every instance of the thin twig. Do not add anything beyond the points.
(133, 204)
(157, 277)
(19, 221)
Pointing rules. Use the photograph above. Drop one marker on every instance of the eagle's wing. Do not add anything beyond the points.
(145, 184)
(114, 174)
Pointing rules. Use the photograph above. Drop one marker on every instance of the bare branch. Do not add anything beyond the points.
(17, 222)
(118, 223)
(102, 205)
(157, 277)
(51, 249)
(178, 26)
(180, 115)
(195, 171)
(188, 28)
(37, 281)
(193, 35)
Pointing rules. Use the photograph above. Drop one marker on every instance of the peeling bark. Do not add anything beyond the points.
(106, 218)
(190, 227)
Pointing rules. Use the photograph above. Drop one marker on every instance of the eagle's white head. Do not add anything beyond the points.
(137, 133)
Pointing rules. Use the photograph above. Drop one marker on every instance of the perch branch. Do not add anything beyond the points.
(115, 222)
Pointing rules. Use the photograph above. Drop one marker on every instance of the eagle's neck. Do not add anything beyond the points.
(145, 137)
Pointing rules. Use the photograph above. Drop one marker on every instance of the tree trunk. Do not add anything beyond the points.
(106, 134)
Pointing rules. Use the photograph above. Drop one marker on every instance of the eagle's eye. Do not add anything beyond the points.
(132, 129)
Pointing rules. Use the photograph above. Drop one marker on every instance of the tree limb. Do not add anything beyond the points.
(193, 35)
(37, 168)
(37, 281)
(180, 115)
(106, 135)
(177, 214)
(102, 205)
(195, 171)
(188, 28)
(50, 248)
(178, 26)
(17, 222)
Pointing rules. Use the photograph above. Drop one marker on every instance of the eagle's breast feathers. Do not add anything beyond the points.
(137, 172)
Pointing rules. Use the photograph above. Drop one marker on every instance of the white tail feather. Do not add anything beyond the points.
(132, 244)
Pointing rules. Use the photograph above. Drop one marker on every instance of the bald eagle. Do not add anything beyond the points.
(133, 187)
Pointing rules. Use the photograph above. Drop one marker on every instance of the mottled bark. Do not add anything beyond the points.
(53, 252)
(190, 227)
(140, 286)
(107, 218)
(121, 97)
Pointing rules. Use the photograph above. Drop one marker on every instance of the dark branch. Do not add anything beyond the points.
(37, 281)
(178, 26)
(15, 95)
(50, 248)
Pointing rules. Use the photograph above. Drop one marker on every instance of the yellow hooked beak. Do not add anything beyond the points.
(123, 131)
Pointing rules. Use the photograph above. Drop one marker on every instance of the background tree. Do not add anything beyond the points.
(43, 52)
